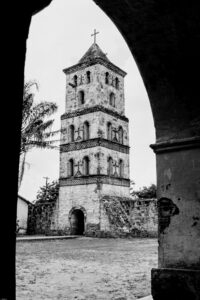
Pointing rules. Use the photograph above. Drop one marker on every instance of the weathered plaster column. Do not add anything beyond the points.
(178, 173)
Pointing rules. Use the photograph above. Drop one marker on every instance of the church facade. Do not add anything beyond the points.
(94, 150)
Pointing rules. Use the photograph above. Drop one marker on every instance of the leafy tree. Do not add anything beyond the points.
(36, 130)
(144, 192)
(36, 126)
(48, 192)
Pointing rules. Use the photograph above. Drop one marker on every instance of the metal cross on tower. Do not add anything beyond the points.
(94, 34)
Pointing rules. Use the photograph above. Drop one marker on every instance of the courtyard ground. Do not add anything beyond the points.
(85, 269)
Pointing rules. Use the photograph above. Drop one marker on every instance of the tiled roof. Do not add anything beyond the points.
(93, 56)
(23, 199)
(93, 52)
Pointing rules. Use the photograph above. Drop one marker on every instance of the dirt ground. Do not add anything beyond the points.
(85, 269)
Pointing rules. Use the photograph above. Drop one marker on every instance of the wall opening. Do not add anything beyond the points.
(77, 222)
(86, 131)
(81, 97)
(86, 166)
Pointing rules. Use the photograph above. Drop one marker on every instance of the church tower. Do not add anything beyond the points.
(94, 150)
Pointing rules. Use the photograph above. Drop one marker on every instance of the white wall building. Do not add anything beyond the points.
(22, 214)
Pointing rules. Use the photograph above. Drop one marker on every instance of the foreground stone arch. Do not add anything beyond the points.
(164, 38)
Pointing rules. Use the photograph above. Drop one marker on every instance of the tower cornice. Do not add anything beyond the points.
(94, 61)
(96, 142)
(94, 179)
(91, 110)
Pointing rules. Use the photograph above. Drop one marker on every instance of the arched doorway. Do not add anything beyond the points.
(77, 222)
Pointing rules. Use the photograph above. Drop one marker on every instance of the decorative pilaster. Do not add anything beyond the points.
(178, 192)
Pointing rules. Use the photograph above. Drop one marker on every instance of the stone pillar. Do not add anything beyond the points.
(178, 183)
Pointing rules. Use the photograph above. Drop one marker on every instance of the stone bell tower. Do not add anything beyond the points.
(94, 150)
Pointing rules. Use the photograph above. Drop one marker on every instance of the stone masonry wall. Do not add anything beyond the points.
(98, 157)
(142, 214)
(86, 197)
(98, 126)
(42, 218)
(104, 111)
(144, 217)
(97, 91)
(125, 217)
(115, 190)
(116, 156)
(78, 196)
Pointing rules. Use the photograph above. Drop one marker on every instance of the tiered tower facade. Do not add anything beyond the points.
(94, 150)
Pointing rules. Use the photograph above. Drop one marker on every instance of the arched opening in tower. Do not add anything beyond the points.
(77, 222)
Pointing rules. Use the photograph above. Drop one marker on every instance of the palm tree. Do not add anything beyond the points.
(36, 126)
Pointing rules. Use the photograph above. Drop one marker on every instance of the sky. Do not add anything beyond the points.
(58, 37)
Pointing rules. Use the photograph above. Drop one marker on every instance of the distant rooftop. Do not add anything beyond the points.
(25, 200)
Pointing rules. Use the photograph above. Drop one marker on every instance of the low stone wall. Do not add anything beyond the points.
(144, 218)
(92, 229)
(131, 217)
(126, 217)
(42, 218)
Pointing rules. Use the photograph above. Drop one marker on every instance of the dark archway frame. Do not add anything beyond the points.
(164, 38)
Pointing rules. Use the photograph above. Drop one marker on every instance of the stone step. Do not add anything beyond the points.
(44, 238)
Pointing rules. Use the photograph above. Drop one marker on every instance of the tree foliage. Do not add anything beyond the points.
(117, 215)
(144, 192)
(48, 192)
(36, 128)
